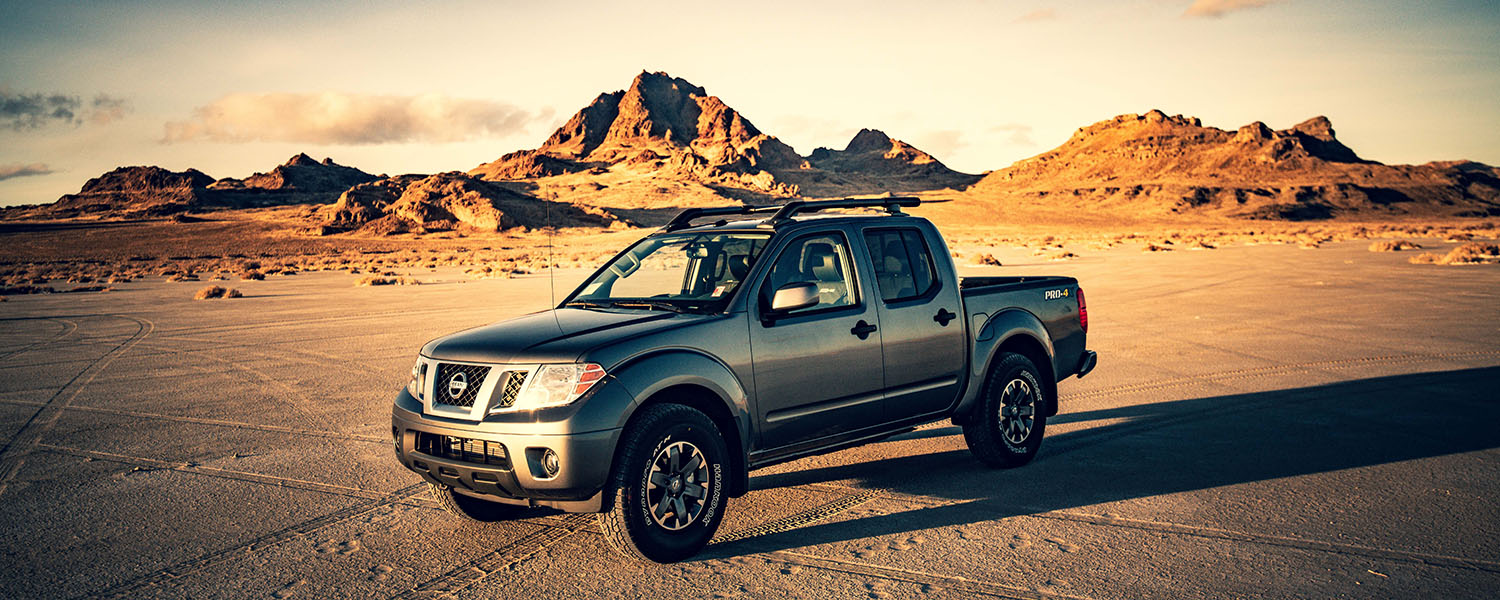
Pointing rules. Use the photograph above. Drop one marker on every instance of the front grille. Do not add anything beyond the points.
(513, 382)
(477, 452)
(473, 379)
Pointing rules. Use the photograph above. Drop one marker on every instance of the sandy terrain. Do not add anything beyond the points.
(1266, 420)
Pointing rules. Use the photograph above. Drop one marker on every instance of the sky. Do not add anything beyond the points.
(236, 87)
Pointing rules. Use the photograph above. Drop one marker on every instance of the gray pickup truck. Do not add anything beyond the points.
(703, 352)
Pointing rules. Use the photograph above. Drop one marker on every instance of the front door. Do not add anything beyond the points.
(817, 370)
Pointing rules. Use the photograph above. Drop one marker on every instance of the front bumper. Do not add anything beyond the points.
(519, 478)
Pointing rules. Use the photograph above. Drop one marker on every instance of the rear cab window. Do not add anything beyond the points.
(902, 263)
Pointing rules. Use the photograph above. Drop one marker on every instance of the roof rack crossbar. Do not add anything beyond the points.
(685, 218)
(785, 212)
(892, 205)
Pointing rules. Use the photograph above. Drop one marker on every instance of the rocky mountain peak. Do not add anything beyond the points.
(1319, 128)
(869, 140)
(301, 160)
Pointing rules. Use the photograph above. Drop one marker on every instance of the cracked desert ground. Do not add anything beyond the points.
(1266, 421)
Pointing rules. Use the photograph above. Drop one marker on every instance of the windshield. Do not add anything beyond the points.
(687, 272)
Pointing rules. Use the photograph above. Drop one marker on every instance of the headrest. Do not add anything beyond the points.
(739, 266)
(826, 269)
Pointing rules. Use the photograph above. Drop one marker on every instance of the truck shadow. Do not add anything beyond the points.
(1162, 448)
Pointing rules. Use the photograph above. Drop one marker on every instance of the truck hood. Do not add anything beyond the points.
(559, 335)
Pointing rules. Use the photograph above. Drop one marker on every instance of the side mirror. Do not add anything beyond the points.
(794, 296)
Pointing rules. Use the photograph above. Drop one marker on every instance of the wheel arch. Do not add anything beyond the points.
(1013, 330)
(698, 381)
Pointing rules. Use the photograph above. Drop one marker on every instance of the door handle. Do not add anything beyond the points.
(863, 329)
(944, 316)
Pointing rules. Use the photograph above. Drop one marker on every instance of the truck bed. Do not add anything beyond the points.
(974, 285)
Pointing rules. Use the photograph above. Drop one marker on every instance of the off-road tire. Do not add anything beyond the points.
(631, 523)
(468, 507)
(1013, 396)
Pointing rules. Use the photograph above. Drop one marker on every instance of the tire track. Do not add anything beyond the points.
(468, 574)
(1163, 527)
(333, 435)
(68, 328)
(197, 469)
(807, 517)
(139, 586)
(1276, 370)
(13, 455)
(971, 586)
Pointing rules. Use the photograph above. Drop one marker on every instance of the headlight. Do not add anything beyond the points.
(556, 385)
(418, 381)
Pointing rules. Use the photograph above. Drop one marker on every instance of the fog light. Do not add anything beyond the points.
(550, 463)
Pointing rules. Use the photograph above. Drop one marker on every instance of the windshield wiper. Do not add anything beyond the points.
(668, 306)
(584, 304)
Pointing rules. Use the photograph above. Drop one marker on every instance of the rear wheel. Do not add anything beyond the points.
(1007, 431)
(469, 507)
(667, 490)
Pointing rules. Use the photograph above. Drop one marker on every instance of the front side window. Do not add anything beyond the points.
(674, 272)
(903, 265)
(822, 260)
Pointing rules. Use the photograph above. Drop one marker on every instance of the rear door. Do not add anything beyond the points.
(920, 322)
(815, 374)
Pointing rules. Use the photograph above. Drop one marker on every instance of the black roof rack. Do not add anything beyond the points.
(785, 212)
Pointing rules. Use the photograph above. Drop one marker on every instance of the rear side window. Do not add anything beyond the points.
(903, 265)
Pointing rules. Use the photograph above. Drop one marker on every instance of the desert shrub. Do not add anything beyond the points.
(382, 280)
(183, 277)
(1394, 246)
(1155, 248)
(212, 291)
(1425, 258)
(989, 260)
(1475, 253)
(252, 275)
(233, 293)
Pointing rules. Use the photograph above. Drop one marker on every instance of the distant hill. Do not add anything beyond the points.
(134, 192)
(667, 128)
(150, 191)
(300, 174)
(446, 202)
(1154, 164)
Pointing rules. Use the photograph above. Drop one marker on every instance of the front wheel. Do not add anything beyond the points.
(667, 489)
(1007, 431)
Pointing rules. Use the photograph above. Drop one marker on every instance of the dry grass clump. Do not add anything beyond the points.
(1064, 255)
(183, 277)
(1394, 246)
(1155, 248)
(1467, 254)
(384, 280)
(252, 275)
(215, 291)
(989, 260)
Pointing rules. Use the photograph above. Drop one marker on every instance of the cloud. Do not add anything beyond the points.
(1045, 14)
(340, 118)
(33, 111)
(1218, 8)
(940, 143)
(1016, 133)
(20, 170)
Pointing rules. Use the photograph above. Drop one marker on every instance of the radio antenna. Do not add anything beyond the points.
(551, 265)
